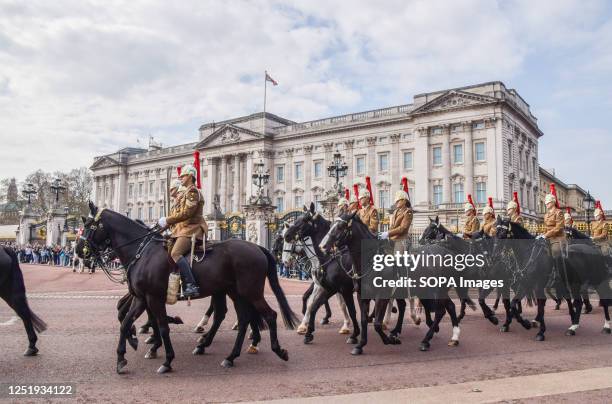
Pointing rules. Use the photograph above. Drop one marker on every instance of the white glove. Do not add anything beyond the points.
(541, 237)
(162, 222)
(384, 235)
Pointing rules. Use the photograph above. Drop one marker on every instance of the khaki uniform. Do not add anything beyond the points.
(489, 227)
(516, 218)
(400, 223)
(472, 225)
(186, 221)
(369, 217)
(599, 231)
(555, 230)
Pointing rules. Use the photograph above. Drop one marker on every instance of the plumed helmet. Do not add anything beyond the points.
(364, 194)
(511, 205)
(353, 199)
(567, 216)
(550, 198)
(401, 195)
(343, 202)
(488, 209)
(468, 206)
(188, 169)
(598, 212)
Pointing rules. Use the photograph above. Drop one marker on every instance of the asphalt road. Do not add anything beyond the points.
(80, 344)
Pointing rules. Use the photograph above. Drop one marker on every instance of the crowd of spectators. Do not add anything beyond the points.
(53, 255)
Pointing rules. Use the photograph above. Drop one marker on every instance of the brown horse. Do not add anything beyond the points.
(235, 268)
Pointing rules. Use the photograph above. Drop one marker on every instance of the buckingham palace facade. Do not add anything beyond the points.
(480, 140)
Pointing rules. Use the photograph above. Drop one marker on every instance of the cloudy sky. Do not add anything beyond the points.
(83, 78)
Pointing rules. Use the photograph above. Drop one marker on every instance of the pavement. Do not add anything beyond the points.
(487, 366)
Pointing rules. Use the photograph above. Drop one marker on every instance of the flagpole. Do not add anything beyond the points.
(264, 106)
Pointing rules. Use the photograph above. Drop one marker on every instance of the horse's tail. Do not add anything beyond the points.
(38, 324)
(289, 317)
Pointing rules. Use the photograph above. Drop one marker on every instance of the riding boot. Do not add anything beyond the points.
(190, 289)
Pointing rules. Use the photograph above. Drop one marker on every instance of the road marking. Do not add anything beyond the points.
(483, 391)
(10, 321)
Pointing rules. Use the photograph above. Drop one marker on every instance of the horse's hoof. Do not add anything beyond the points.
(252, 349)
(178, 320)
(588, 309)
(493, 320)
(120, 365)
(324, 321)
(33, 351)
(453, 342)
(424, 346)
(302, 329)
(308, 338)
(539, 337)
(417, 321)
(227, 364)
(570, 333)
(351, 340)
(504, 328)
(283, 354)
(344, 330)
(199, 330)
(199, 350)
(164, 369)
(526, 324)
(150, 355)
(143, 330)
(394, 340)
(150, 340)
(357, 351)
(606, 331)
(535, 324)
(133, 343)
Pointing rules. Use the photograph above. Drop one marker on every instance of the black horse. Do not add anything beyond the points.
(12, 290)
(333, 273)
(235, 268)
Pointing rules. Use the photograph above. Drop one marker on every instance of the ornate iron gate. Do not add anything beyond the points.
(275, 225)
(233, 227)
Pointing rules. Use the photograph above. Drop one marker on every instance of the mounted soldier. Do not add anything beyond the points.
(368, 213)
(489, 226)
(600, 229)
(555, 232)
(187, 226)
(472, 224)
(513, 210)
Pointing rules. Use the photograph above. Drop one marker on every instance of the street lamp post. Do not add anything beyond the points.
(337, 169)
(58, 188)
(260, 178)
(588, 210)
(28, 191)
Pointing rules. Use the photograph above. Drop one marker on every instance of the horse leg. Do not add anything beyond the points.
(387, 315)
(486, 310)
(380, 308)
(414, 305)
(363, 337)
(496, 304)
(401, 309)
(136, 309)
(269, 316)
(316, 291)
(254, 322)
(158, 309)
(508, 309)
(20, 305)
(345, 314)
(428, 308)
(242, 310)
(220, 304)
(350, 307)
(328, 313)
(577, 310)
(588, 307)
(440, 310)
(306, 297)
(539, 320)
(517, 310)
(451, 310)
(320, 296)
(200, 328)
(606, 327)
(144, 329)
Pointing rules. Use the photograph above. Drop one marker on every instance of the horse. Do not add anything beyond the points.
(293, 243)
(330, 272)
(234, 267)
(13, 292)
(348, 230)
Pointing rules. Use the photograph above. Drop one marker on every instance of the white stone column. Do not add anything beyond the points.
(236, 190)
(446, 165)
(248, 175)
(396, 165)
(289, 178)
(469, 160)
(223, 186)
(371, 157)
(348, 180)
(211, 184)
(421, 168)
(308, 175)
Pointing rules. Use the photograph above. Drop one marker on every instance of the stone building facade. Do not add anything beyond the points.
(480, 140)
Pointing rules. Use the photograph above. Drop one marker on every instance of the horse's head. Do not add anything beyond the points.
(339, 232)
(503, 228)
(432, 231)
(95, 238)
(302, 226)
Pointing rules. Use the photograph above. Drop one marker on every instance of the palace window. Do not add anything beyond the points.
(162, 187)
(458, 193)
(437, 195)
(383, 198)
(510, 162)
(140, 213)
(317, 202)
(298, 172)
(455, 128)
(458, 153)
(478, 125)
(140, 189)
(436, 131)
(318, 169)
(280, 204)
(150, 212)
(437, 156)
(299, 201)
(480, 151)
(280, 174)
(360, 165)
(383, 162)
(130, 190)
(151, 188)
(408, 160)
(481, 192)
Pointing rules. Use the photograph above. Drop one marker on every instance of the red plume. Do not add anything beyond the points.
(491, 202)
(405, 184)
(196, 165)
(471, 201)
(178, 170)
(369, 188)
(518, 205)
(347, 194)
(598, 205)
(569, 210)
(553, 191)
(356, 191)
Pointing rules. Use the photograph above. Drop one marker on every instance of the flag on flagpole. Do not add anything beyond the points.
(271, 80)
